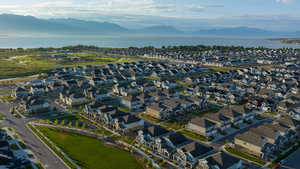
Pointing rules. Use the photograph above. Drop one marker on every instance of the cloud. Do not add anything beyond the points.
(284, 1)
(69, 8)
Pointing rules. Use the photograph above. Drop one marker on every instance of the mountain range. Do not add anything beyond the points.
(18, 24)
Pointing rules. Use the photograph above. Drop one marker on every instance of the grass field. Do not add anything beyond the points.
(23, 64)
(90, 153)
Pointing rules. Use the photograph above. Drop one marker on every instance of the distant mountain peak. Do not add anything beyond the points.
(166, 29)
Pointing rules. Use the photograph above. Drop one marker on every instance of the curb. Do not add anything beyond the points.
(48, 147)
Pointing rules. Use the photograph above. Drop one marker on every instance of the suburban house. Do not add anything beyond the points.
(202, 126)
(187, 156)
(21, 92)
(97, 94)
(127, 122)
(170, 143)
(73, 98)
(220, 160)
(36, 105)
(36, 90)
(131, 102)
(223, 122)
(265, 139)
(149, 134)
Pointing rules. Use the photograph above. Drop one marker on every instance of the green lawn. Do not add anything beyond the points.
(7, 98)
(124, 109)
(173, 125)
(90, 153)
(2, 117)
(68, 117)
(209, 110)
(14, 64)
(271, 113)
(148, 118)
(51, 146)
(219, 69)
(245, 155)
(14, 147)
(194, 135)
(152, 77)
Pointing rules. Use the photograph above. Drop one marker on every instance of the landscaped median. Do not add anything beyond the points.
(87, 152)
(194, 136)
(2, 117)
(244, 155)
(52, 147)
(148, 118)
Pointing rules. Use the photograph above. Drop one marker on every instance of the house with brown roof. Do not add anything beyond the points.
(253, 143)
(187, 156)
(73, 98)
(132, 102)
(158, 111)
(234, 113)
(263, 140)
(150, 135)
(168, 144)
(223, 122)
(126, 122)
(202, 126)
(220, 160)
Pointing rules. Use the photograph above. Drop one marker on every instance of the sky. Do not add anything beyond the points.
(183, 14)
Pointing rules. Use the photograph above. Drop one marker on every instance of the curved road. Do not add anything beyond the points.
(47, 158)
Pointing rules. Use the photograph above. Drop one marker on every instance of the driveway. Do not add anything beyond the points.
(47, 158)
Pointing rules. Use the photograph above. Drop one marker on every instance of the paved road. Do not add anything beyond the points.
(293, 161)
(48, 159)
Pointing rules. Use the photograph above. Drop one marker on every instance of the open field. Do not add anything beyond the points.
(90, 153)
(17, 64)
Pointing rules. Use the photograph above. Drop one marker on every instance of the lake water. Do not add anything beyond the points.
(136, 41)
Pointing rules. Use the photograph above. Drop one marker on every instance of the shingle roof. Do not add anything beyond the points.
(177, 138)
(155, 131)
(222, 160)
(196, 149)
(199, 121)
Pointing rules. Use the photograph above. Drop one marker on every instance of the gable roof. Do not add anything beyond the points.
(177, 138)
(222, 160)
(199, 121)
(155, 131)
(196, 149)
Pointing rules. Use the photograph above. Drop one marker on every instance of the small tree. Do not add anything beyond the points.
(77, 123)
(63, 122)
(56, 122)
(70, 124)
(83, 126)
(48, 121)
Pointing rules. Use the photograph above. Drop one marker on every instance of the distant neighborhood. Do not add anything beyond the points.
(190, 107)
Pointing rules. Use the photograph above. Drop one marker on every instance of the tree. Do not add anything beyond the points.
(77, 123)
(56, 122)
(83, 126)
(70, 124)
(48, 121)
(63, 122)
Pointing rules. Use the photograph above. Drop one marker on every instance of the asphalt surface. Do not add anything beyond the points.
(292, 162)
(47, 158)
